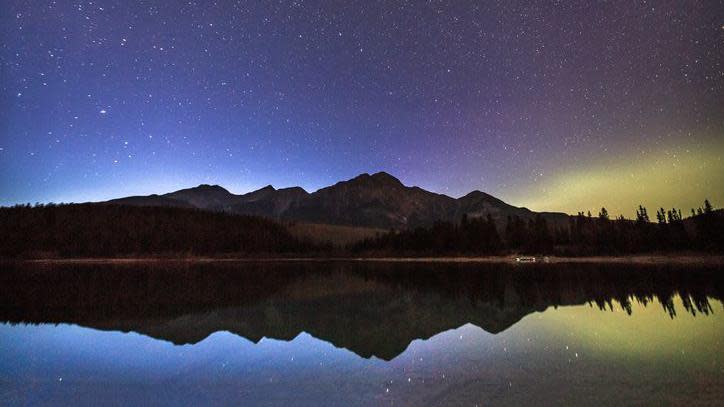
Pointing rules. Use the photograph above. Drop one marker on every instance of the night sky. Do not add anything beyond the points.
(556, 106)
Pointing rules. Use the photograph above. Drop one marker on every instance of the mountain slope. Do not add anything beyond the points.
(204, 196)
(211, 197)
(150, 200)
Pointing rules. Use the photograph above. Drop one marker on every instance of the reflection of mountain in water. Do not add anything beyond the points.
(371, 309)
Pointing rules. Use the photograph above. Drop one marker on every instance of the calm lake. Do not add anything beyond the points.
(360, 334)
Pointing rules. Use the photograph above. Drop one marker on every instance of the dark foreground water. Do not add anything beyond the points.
(348, 334)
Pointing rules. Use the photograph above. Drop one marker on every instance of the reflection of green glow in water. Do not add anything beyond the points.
(648, 333)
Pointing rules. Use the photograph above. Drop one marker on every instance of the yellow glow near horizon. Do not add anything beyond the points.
(680, 178)
(647, 332)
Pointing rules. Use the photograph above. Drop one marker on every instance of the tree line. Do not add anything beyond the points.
(102, 230)
(88, 230)
(585, 234)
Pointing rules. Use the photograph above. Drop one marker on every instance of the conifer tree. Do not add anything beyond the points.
(707, 206)
(603, 215)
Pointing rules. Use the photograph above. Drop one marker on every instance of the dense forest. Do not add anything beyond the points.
(585, 235)
(93, 230)
(87, 230)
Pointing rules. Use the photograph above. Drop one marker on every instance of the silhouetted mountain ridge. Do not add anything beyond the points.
(372, 200)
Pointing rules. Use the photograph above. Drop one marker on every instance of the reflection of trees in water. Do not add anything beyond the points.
(372, 309)
(692, 302)
(694, 286)
(602, 285)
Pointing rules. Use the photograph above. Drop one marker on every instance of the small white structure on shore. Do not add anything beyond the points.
(525, 259)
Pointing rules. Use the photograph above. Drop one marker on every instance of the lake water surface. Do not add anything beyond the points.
(351, 334)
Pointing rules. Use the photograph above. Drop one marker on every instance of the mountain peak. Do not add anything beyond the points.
(476, 198)
(203, 189)
(207, 187)
(202, 196)
(478, 195)
(260, 193)
(378, 178)
(385, 177)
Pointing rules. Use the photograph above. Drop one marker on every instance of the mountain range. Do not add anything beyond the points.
(377, 201)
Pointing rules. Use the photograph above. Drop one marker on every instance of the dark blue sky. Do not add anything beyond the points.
(109, 98)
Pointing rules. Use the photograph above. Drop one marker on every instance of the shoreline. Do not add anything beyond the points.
(636, 259)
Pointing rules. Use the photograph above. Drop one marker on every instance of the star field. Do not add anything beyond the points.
(102, 99)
